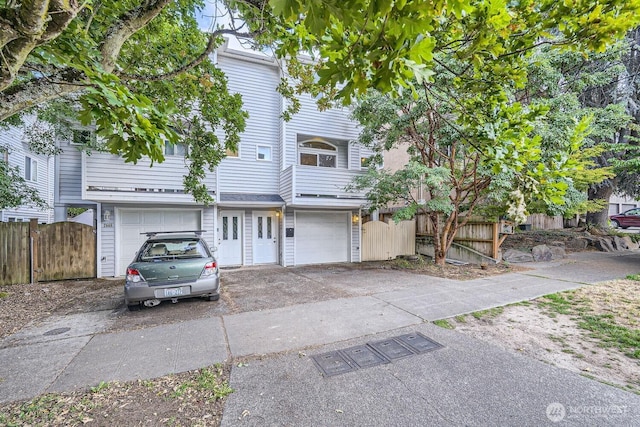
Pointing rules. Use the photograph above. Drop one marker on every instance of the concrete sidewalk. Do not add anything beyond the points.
(466, 382)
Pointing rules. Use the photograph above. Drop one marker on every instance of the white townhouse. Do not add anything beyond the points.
(36, 169)
(279, 200)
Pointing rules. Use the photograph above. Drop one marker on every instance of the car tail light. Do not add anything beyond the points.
(209, 269)
(134, 276)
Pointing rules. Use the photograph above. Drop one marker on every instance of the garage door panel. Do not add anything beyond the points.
(322, 237)
(133, 223)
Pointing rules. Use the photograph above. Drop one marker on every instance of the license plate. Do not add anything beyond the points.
(173, 292)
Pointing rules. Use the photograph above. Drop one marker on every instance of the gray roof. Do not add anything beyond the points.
(250, 197)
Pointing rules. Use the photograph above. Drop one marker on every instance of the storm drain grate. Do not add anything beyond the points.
(392, 349)
(418, 342)
(364, 356)
(373, 353)
(332, 363)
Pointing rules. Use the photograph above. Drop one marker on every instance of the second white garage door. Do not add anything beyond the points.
(322, 237)
(133, 222)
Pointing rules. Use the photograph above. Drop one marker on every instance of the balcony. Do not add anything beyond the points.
(321, 187)
(107, 178)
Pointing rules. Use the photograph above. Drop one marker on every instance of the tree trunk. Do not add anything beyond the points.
(601, 191)
(439, 253)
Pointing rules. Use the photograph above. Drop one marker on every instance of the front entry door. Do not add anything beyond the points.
(230, 238)
(265, 237)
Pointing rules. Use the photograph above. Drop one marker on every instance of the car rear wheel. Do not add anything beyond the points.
(134, 307)
(215, 297)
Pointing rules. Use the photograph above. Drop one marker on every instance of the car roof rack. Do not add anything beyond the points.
(154, 233)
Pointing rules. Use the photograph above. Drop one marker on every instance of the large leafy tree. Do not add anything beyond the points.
(466, 148)
(140, 71)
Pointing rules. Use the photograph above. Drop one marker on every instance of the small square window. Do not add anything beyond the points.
(231, 153)
(81, 137)
(263, 153)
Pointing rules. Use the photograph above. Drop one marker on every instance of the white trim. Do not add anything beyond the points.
(98, 224)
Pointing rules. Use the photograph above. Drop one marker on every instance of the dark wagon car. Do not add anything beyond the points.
(630, 218)
(170, 266)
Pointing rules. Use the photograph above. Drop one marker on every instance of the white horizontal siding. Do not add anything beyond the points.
(257, 83)
(355, 238)
(286, 185)
(289, 242)
(107, 171)
(107, 242)
(324, 181)
(13, 139)
(69, 174)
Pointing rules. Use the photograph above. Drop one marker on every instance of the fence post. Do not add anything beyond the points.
(495, 240)
(33, 249)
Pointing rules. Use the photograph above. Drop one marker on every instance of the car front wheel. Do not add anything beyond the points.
(615, 224)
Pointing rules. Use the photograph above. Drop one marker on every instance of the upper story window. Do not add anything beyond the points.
(174, 149)
(30, 169)
(231, 152)
(263, 152)
(81, 137)
(316, 152)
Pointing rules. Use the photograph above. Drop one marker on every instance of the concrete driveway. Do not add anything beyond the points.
(275, 319)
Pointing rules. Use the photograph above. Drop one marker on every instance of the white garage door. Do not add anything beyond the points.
(133, 222)
(322, 237)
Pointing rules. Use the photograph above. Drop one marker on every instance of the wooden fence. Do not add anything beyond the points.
(482, 236)
(383, 241)
(545, 222)
(30, 252)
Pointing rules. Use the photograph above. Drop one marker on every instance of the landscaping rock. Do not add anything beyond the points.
(541, 253)
(604, 244)
(516, 256)
(579, 244)
(630, 243)
(557, 252)
(620, 244)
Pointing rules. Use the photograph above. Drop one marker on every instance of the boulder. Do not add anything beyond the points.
(620, 244)
(579, 244)
(604, 244)
(557, 252)
(630, 243)
(541, 253)
(516, 256)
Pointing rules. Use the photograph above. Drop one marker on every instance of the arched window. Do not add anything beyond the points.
(316, 152)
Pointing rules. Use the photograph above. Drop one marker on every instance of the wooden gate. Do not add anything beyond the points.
(382, 241)
(14, 253)
(62, 250)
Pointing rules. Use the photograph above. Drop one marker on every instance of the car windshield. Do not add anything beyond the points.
(173, 248)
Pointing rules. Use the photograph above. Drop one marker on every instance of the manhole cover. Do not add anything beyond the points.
(57, 331)
(332, 363)
(364, 356)
(418, 342)
(391, 349)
